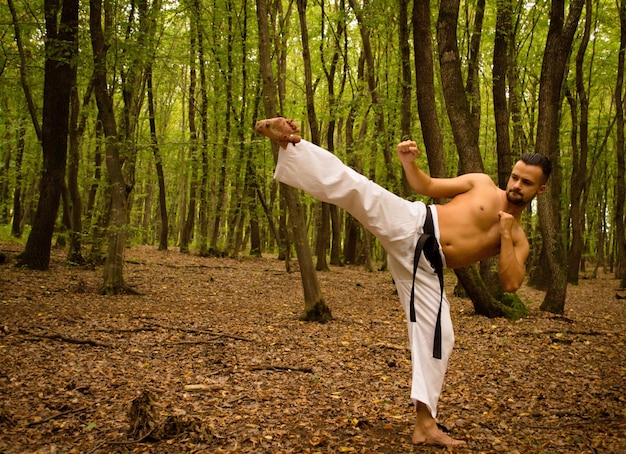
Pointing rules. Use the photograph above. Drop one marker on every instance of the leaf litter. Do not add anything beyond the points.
(211, 357)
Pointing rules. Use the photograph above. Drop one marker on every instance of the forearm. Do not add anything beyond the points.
(417, 178)
(510, 268)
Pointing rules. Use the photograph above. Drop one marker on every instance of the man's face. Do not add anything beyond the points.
(525, 182)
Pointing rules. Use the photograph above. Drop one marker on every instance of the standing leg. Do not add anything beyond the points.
(426, 431)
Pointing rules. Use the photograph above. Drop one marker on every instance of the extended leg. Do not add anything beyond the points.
(321, 174)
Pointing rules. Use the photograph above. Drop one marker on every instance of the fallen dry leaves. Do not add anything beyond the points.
(217, 346)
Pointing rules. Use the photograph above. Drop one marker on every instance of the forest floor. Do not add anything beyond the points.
(211, 358)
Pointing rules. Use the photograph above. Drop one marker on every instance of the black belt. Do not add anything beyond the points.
(428, 243)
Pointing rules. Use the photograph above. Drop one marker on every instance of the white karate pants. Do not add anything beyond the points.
(397, 223)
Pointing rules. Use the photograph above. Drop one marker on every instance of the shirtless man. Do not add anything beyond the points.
(480, 221)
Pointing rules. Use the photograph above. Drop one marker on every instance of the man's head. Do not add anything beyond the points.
(528, 178)
(536, 159)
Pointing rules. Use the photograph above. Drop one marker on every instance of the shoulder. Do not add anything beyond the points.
(519, 236)
(465, 183)
(477, 181)
(481, 179)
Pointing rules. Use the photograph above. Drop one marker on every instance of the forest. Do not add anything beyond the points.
(131, 123)
(127, 127)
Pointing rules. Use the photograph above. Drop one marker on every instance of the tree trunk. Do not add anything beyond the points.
(114, 264)
(190, 221)
(425, 88)
(315, 309)
(238, 209)
(136, 55)
(16, 225)
(465, 131)
(60, 71)
(459, 110)
(203, 215)
(330, 70)
(374, 92)
(4, 173)
(74, 254)
(556, 53)
(501, 46)
(253, 193)
(228, 109)
(472, 86)
(158, 162)
(23, 65)
(620, 235)
(579, 156)
(323, 228)
(405, 63)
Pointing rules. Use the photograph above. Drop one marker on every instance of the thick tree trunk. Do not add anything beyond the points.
(465, 130)
(114, 264)
(458, 107)
(60, 72)
(556, 53)
(501, 46)
(425, 88)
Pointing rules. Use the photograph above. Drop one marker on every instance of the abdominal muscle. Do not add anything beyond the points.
(469, 228)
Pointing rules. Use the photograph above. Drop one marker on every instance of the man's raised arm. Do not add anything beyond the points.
(422, 183)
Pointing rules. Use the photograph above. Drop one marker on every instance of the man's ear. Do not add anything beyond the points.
(541, 189)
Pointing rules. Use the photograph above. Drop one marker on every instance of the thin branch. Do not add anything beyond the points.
(63, 413)
(63, 338)
(196, 331)
(306, 370)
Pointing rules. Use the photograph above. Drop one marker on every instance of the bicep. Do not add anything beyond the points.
(446, 188)
(522, 249)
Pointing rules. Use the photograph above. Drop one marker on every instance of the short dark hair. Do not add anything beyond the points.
(536, 159)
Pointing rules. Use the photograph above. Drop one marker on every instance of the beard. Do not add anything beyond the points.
(516, 198)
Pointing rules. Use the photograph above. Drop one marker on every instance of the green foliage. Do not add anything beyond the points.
(513, 307)
(233, 96)
(7, 237)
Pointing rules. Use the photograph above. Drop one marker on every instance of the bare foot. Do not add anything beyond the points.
(435, 436)
(428, 433)
(280, 130)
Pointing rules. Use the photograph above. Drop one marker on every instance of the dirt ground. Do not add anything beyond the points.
(211, 358)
